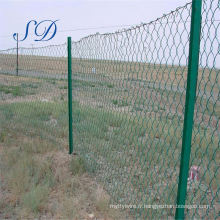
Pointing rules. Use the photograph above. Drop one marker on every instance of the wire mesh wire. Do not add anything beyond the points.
(33, 104)
(205, 143)
(129, 92)
(43, 62)
(130, 87)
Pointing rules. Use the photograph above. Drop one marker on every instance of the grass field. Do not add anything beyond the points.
(38, 179)
(129, 97)
(126, 134)
(119, 70)
(132, 142)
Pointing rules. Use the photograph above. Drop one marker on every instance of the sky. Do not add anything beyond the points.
(80, 18)
(76, 14)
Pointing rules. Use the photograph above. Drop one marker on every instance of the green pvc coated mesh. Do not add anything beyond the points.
(129, 88)
(129, 92)
(33, 105)
(206, 131)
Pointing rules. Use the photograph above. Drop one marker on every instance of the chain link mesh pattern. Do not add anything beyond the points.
(129, 92)
(43, 62)
(206, 130)
(130, 87)
(33, 105)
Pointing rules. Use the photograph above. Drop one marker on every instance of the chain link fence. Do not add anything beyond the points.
(33, 100)
(129, 94)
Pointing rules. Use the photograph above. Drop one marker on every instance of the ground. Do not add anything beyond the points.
(38, 178)
(127, 134)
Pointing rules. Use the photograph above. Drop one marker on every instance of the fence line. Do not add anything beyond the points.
(130, 92)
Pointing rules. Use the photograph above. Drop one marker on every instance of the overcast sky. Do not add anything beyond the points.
(76, 14)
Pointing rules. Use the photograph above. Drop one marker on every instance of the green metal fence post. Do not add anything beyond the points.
(192, 76)
(17, 57)
(70, 95)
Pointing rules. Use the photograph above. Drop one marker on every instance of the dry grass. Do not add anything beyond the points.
(129, 135)
(37, 181)
(13, 89)
(117, 70)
